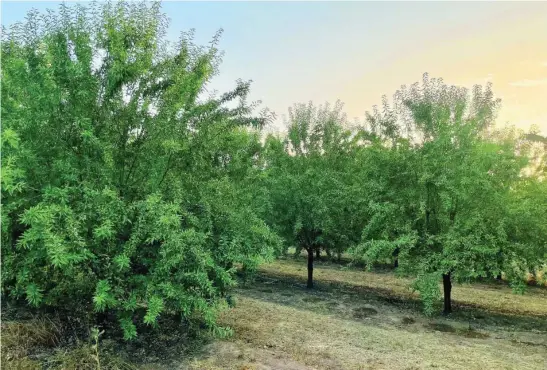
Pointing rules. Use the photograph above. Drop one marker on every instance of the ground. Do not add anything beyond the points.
(368, 320)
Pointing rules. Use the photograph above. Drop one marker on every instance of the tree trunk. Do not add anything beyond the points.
(396, 255)
(447, 286)
(329, 253)
(318, 253)
(339, 256)
(310, 268)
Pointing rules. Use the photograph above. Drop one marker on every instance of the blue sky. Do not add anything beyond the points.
(358, 51)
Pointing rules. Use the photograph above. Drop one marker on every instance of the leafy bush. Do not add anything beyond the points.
(125, 190)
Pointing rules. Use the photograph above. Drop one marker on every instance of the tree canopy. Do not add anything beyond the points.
(125, 188)
(312, 176)
(457, 180)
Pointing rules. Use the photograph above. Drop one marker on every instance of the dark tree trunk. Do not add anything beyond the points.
(396, 255)
(329, 254)
(318, 253)
(500, 262)
(339, 256)
(447, 285)
(310, 268)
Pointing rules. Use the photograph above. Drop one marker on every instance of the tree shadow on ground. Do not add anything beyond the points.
(333, 293)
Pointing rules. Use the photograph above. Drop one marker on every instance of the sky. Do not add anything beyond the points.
(358, 51)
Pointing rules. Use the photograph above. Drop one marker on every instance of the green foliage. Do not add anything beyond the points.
(458, 201)
(125, 189)
(310, 179)
(129, 328)
(428, 286)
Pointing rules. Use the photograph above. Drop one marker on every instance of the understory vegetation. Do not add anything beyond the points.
(141, 214)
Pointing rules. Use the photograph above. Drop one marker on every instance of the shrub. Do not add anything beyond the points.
(123, 187)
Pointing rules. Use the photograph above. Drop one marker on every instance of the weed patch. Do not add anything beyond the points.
(364, 312)
(312, 299)
(408, 320)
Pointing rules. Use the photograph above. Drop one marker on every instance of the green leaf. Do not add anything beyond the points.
(34, 295)
(129, 329)
(155, 307)
(102, 297)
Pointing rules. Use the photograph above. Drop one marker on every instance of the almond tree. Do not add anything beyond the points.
(125, 188)
(449, 216)
(311, 181)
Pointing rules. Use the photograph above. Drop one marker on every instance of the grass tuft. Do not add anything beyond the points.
(84, 357)
(20, 338)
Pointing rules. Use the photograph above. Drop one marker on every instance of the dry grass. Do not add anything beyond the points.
(21, 339)
(236, 355)
(327, 342)
(337, 327)
(350, 322)
(84, 357)
(23, 363)
(495, 298)
(18, 338)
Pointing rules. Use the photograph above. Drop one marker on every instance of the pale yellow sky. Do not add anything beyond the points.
(511, 53)
(358, 51)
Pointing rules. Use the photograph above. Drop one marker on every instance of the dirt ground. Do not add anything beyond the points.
(352, 320)
(367, 320)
